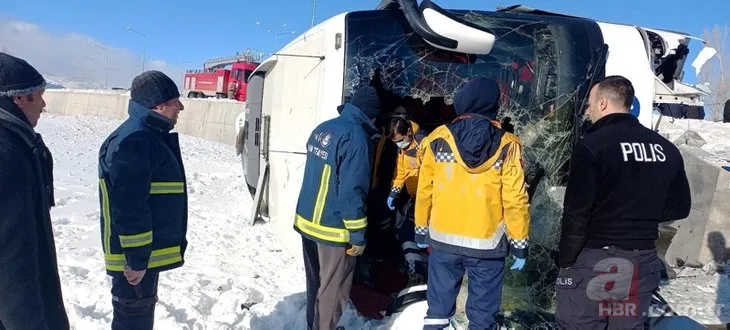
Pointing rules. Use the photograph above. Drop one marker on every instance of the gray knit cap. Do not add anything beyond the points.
(152, 88)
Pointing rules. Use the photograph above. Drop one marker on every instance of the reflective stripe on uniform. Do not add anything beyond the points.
(158, 258)
(175, 187)
(470, 242)
(335, 235)
(436, 321)
(130, 241)
(356, 224)
(322, 194)
(106, 214)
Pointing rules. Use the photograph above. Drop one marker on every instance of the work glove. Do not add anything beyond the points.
(518, 264)
(390, 203)
(355, 250)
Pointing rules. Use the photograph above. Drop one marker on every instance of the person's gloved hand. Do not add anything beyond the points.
(355, 250)
(390, 203)
(518, 264)
(422, 245)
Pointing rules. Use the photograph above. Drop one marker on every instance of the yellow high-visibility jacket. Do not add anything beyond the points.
(472, 198)
(408, 164)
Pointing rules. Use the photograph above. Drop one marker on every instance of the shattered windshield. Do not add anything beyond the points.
(541, 65)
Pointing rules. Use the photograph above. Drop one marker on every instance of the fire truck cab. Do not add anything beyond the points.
(224, 77)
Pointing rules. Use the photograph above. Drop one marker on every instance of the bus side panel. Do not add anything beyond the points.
(627, 57)
(292, 92)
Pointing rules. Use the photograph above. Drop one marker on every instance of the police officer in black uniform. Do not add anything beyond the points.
(624, 180)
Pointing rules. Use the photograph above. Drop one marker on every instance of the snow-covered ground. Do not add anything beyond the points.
(715, 134)
(236, 276)
(701, 294)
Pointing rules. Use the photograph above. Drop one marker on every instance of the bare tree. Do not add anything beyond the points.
(714, 71)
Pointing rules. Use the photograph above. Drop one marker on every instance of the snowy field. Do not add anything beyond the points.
(236, 276)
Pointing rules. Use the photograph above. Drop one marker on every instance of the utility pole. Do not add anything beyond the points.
(144, 50)
(276, 34)
(106, 66)
(314, 3)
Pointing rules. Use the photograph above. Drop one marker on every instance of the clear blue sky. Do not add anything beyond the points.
(186, 33)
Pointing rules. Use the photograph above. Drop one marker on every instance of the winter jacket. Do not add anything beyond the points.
(472, 199)
(30, 288)
(726, 112)
(624, 179)
(332, 208)
(408, 164)
(143, 194)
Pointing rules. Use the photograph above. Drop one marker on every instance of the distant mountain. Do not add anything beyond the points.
(54, 82)
(50, 85)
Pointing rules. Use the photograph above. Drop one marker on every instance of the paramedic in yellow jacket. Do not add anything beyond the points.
(471, 207)
(407, 136)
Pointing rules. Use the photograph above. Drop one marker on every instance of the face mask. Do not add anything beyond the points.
(403, 143)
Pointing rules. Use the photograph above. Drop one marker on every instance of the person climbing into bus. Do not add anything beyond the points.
(472, 207)
(331, 212)
(407, 136)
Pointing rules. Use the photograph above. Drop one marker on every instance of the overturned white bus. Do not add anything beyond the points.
(418, 57)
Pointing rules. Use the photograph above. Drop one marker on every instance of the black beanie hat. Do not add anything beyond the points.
(366, 99)
(18, 78)
(152, 88)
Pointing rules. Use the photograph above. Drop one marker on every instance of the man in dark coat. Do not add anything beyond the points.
(144, 202)
(726, 113)
(30, 288)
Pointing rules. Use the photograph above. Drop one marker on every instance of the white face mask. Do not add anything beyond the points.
(403, 143)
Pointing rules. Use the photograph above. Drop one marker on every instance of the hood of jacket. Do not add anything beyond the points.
(479, 96)
(149, 118)
(477, 139)
(354, 115)
(475, 134)
(13, 119)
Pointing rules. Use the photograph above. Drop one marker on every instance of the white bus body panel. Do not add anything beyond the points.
(627, 57)
(299, 93)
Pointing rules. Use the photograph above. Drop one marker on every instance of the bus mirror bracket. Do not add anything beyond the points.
(442, 30)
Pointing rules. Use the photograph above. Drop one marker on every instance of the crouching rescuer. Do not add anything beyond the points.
(407, 136)
(471, 207)
(331, 210)
(143, 200)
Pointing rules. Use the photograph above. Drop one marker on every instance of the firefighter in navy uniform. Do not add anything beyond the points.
(624, 180)
(331, 213)
(143, 200)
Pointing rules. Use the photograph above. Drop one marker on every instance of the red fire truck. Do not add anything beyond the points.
(223, 77)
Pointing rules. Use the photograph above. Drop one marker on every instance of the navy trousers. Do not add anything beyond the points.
(445, 274)
(608, 288)
(134, 306)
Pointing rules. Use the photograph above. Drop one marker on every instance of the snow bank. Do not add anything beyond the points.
(715, 134)
(235, 277)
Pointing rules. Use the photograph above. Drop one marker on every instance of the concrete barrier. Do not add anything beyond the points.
(702, 237)
(204, 118)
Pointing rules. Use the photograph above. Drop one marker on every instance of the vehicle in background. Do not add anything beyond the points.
(223, 77)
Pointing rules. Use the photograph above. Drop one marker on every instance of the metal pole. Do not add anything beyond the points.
(314, 3)
(144, 50)
(106, 66)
